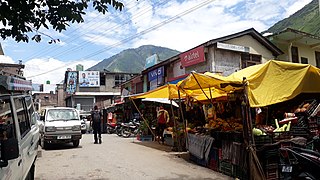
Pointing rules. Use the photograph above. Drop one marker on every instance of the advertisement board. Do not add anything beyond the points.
(154, 74)
(151, 61)
(71, 82)
(89, 78)
(192, 57)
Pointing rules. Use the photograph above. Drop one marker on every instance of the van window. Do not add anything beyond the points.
(32, 114)
(7, 128)
(23, 119)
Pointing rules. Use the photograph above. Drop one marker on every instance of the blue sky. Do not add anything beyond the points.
(176, 24)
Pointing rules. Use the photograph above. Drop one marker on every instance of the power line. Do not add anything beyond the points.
(73, 38)
(138, 34)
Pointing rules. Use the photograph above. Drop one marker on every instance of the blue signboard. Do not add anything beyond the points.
(151, 61)
(154, 74)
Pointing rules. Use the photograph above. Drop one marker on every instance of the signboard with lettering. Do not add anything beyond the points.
(89, 78)
(192, 57)
(154, 74)
(233, 47)
(151, 61)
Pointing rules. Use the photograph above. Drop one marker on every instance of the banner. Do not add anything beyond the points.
(72, 82)
(89, 78)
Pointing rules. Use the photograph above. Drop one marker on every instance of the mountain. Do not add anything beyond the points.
(133, 60)
(306, 19)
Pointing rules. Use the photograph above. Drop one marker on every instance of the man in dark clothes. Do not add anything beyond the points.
(95, 123)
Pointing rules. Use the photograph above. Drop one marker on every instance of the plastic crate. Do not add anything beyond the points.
(226, 167)
(214, 164)
(272, 171)
(239, 172)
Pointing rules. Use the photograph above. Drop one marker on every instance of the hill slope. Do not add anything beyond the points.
(133, 60)
(306, 19)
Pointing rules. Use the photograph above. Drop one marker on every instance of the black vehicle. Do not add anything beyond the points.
(299, 163)
(131, 128)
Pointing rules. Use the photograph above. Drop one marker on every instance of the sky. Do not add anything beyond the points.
(175, 24)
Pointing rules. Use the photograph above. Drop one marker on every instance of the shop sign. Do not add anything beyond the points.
(151, 61)
(233, 47)
(192, 57)
(154, 74)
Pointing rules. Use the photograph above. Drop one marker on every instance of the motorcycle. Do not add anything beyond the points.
(131, 128)
(299, 163)
(112, 128)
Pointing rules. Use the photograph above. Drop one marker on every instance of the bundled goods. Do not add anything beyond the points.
(225, 125)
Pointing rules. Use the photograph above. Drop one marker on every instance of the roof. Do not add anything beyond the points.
(291, 35)
(252, 32)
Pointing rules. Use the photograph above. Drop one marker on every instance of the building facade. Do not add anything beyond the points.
(298, 46)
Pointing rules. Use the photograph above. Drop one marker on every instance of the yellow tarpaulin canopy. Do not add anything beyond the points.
(170, 91)
(269, 83)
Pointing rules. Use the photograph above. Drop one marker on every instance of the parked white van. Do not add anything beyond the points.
(60, 125)
(19, 131)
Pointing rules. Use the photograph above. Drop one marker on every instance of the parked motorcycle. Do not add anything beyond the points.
(131, 128)
(298, 163)
(112, 127)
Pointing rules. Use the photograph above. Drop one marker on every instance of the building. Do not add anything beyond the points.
(11, 69)
(223, 55)
(88, 88)
(298, 46)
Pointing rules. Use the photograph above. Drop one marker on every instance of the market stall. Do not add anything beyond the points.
(263, 86)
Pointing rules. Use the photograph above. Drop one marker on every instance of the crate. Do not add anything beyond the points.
(272, 171)
(262, 140)
(168, 141)
(214, 164)
(239, 172)
(226, 167)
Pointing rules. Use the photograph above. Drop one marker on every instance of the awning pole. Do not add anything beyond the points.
(145, 121)
(202, 88)
(174, 128)
(184, 121)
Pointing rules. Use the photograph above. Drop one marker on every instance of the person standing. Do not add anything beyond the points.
(95, 123)
(163, 119)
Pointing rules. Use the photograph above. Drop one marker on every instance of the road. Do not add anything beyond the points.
(116, 158)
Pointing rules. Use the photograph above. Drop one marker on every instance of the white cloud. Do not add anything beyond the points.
(41, 70)
(296, 7)
(6, 59)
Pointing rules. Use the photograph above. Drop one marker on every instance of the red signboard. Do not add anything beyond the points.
(192, 57)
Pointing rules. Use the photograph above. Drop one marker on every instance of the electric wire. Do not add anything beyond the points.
(136, 35)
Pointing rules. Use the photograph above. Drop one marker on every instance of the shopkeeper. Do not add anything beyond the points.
(163, 119)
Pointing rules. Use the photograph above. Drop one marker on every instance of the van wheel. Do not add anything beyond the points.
(76, 143)
(44, 144)
(30, 175)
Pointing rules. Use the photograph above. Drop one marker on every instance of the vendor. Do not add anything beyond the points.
(163, 118)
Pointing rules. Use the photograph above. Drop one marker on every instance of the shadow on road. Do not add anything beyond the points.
(53, 147)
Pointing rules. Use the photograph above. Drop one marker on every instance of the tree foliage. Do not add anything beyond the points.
(20, 17)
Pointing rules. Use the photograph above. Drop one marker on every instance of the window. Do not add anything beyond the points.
(304, 60)
(32, 114)
(7, 129)
(121, 78)
(294, 54)
(102, 79)
(249, 60)
(23, 119)
(317, 59)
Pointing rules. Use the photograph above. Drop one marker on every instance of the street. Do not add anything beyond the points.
(116, 158)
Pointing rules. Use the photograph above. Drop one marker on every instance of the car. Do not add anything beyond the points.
(60, 125)
(19, 131)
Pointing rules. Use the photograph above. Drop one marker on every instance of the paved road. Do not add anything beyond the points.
(116, 158)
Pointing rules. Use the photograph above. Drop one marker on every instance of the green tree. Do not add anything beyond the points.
(20, 17)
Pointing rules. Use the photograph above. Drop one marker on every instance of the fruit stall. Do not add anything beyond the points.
(265, 108)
